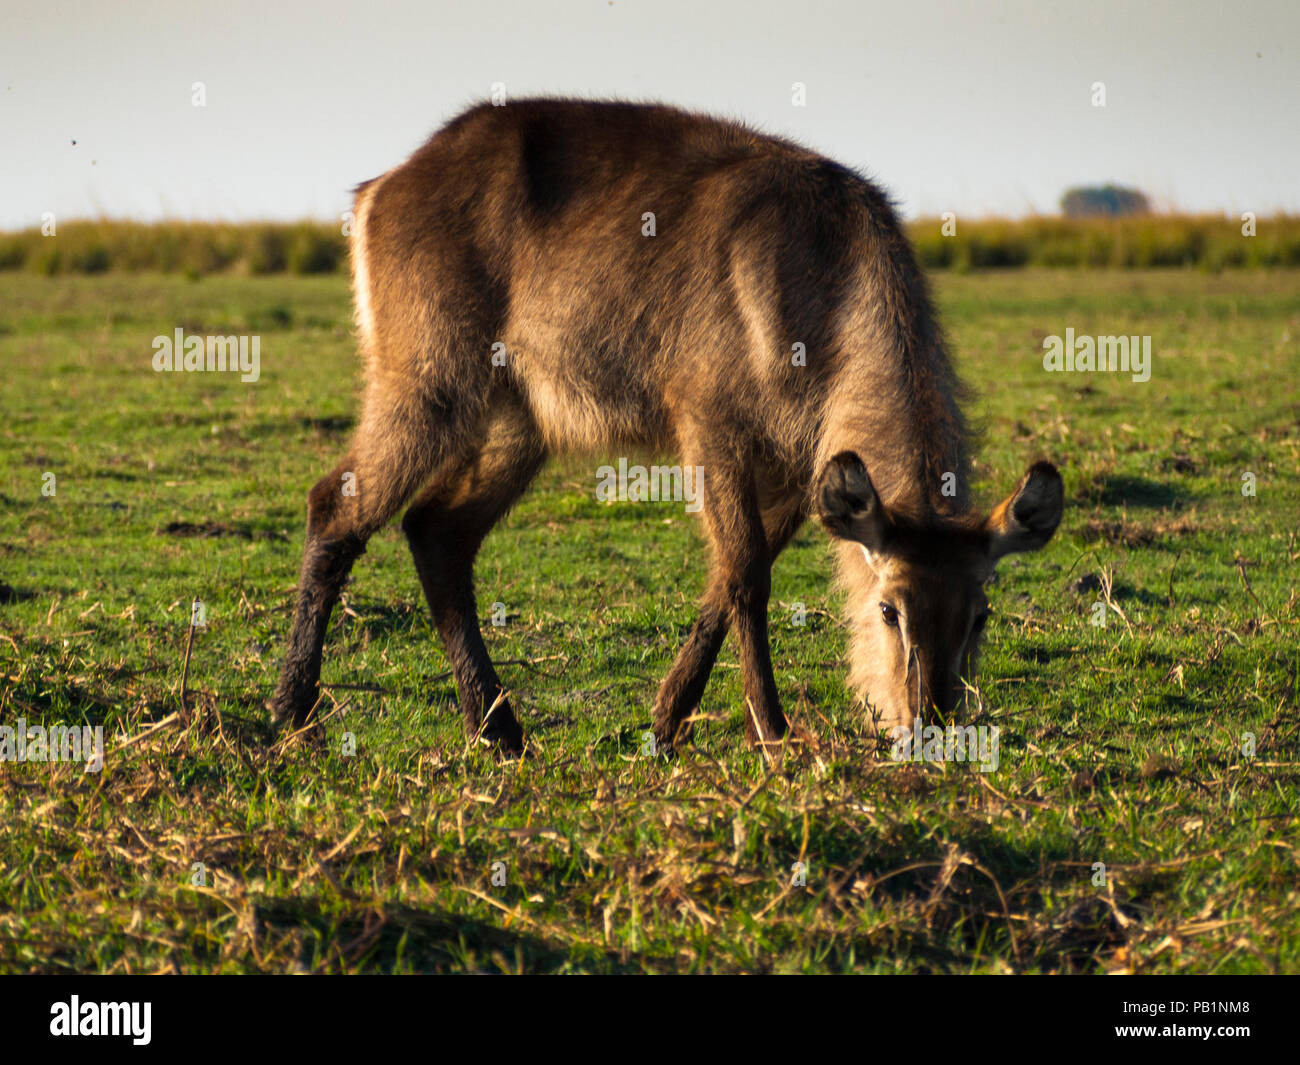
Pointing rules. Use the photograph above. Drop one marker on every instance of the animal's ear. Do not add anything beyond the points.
(1028, 517)
(847, 505)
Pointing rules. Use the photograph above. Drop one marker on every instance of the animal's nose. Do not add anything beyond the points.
(938, 691)
(935, 689)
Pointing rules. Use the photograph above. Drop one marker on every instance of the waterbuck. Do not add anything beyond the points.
(555, 276)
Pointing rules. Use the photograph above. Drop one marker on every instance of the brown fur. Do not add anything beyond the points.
(522, 225)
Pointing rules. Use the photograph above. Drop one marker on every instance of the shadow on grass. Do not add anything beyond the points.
(403, 938)
(10, 594)
(1121, 490)
(963, 896)
(292, 427)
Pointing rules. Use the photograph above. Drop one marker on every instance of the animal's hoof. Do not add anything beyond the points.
(506, 750)
(670, 739)
(669, 748)
(311, 735)
(507, 739)
(293, 724)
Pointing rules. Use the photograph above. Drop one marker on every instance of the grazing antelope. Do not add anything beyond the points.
(642, 275)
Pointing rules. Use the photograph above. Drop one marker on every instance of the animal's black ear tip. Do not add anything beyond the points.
(843, 481)
(1046, 471)
(848, 461)
(1045, 485)
(1041, 500)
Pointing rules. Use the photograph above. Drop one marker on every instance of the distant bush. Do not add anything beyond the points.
(269, 253)
(313, 250)
(1103, 201)
(994, 245)
(48, 261)
(92, 259)
(13, 253)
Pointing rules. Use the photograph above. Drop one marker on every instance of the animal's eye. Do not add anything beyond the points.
(889, 614)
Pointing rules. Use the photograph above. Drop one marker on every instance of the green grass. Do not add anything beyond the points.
(1120, 744)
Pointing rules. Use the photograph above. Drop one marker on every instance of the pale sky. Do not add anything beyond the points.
(977, 108)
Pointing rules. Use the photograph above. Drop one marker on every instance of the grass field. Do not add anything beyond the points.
(197, 848)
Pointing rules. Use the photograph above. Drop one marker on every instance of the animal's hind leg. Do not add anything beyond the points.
(445, 528)
(401, 440)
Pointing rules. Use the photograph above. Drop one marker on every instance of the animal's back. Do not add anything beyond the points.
(643, 266)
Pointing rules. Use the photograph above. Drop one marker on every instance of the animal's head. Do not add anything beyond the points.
(916, 592)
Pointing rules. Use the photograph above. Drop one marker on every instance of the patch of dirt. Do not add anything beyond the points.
(1083, 781)
(1158, 768)
(329, 424)
(1179, 464)
(1136, 534)
(912, 782)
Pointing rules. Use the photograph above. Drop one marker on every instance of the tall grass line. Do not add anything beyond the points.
(194, 248)
(1206, 242)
